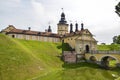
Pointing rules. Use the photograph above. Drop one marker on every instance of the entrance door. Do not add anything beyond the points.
(87, 48)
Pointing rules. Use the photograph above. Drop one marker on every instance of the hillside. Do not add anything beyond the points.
(35, 60)
(21, 59)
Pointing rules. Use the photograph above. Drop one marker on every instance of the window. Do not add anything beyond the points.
(45, 38)
(13, 36)
(20, 36)
(27, 37)
(33, 37)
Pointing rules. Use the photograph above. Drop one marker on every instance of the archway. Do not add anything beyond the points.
(87, 49)
(108, 62)
(93, 58)
(13, 36)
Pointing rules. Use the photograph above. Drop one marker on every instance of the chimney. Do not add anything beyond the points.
(71, 28)
(82, 26)
(76, 25)
(29, 28)
(46, 30)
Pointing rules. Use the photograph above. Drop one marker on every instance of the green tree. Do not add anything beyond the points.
(116, 39)
(117, 8)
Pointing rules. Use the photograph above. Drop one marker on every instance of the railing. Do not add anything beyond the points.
(94, 52)
(105, 52)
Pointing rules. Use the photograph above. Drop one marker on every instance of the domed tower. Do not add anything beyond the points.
(62, 25)
(49, 29)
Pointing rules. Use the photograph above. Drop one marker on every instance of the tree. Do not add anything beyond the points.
(117, 8)
(116, 39)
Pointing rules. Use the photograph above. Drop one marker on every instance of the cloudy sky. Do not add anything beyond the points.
(97, 15)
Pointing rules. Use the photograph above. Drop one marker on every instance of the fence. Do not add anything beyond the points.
(105, 52)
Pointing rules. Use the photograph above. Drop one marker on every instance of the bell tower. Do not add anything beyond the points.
(62, 25)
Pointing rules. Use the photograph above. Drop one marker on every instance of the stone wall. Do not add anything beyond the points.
(69, 57)
(33, 37)
(71, 41)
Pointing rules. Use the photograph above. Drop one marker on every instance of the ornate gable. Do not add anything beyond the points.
(8, 29)
(86, 35)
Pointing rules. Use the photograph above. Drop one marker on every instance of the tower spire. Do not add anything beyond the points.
(62, 20)
(62, 25)
(76, 27)
(49, 27)
(82, 26)
(62, 9)
(71, 28)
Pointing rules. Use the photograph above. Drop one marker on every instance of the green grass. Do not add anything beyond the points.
(21, 59)
(80, 71)
(112, 63)
(35, 60)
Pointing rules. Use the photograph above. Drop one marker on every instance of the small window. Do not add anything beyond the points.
(71, 38)
(13, 36)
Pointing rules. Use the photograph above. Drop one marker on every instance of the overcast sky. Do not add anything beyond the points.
(97, 15)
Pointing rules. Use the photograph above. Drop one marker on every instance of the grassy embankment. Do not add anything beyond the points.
(22, 59)
(82, 71)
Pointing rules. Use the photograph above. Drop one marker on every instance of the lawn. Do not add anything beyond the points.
(21, 59)
(81, 71)
(35, 60)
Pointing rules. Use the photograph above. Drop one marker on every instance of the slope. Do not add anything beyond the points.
(21, 59)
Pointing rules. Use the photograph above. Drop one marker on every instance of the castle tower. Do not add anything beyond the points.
(49, 29)
(62, 25)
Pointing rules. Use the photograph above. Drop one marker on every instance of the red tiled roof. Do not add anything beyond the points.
(28, 32)
(47, 34)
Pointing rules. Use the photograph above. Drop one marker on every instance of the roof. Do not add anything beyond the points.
(86, 38)
(29, 32)
(48, 34)
(77, 33)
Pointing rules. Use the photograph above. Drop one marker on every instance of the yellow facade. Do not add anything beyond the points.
(9, 28)
(62, 29)
(37, 38)
(71, 41)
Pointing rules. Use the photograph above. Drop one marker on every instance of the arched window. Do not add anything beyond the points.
(87, 49)
(13, 36)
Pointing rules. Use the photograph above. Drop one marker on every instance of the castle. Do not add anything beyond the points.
(81, 41)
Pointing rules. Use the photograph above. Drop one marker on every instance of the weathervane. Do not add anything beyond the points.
(49, 23)
(70, 21)
(62, 9)
(81, 21)
(76, 21)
